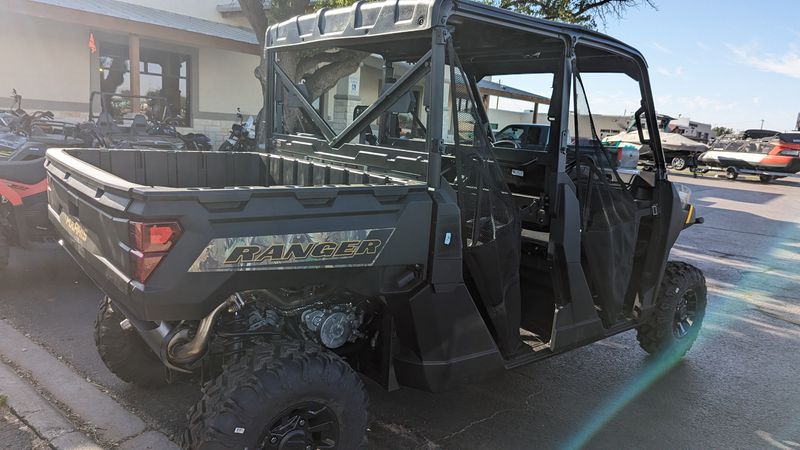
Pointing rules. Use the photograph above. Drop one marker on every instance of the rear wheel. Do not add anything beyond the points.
(679, 312)
(765, 178)
(731, 173)
(124, 352)
(282, 395)
(679, 162)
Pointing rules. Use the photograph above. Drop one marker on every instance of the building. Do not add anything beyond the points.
(196, 55)
(695, 131)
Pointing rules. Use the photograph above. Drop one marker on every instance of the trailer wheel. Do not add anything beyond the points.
(731, 174)
(4, 251)
(679, 163)
(124, 352)
(680, 309)
(284, 394)
(765, 178)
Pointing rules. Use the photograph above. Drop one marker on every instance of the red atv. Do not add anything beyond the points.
(23, 206)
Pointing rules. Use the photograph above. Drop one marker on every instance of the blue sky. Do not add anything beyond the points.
(725, 62)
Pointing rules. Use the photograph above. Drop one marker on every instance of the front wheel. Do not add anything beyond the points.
(680, 309)
(281, 395)
(731, 173)
(124, 352)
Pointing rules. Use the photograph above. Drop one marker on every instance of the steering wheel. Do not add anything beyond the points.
(508, 143)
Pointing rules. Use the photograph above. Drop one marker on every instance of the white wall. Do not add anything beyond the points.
(43, 59)
(502, 117)
(226, 81)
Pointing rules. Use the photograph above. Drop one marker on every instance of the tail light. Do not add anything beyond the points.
(619, 154)
(150, 243)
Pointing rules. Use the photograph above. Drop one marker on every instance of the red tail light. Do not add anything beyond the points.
(150, 242)
(619, 154)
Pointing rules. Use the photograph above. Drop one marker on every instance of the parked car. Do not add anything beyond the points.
(523, 135)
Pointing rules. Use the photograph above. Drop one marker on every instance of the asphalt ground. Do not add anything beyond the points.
(739, 387)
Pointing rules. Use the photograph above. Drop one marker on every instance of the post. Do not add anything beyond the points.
(133, 60)
(269, 107)
(436, 116)
(535, 112)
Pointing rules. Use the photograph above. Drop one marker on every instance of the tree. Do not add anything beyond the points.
(321, 70)
(580, 12)
(722, 130)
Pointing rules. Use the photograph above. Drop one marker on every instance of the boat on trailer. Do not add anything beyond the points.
(769, 157)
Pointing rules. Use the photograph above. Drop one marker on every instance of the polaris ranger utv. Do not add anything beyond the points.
(388, 242)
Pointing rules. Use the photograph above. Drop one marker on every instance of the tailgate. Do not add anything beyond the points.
(88, 207)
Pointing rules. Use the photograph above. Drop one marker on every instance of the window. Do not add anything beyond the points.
(164, 79)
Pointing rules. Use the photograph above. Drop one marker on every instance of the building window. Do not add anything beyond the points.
(164, 79)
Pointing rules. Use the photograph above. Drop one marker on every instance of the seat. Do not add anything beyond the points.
(139, 125)
(25, 172)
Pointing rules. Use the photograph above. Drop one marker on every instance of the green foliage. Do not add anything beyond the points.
(722, 130)
(580, 12)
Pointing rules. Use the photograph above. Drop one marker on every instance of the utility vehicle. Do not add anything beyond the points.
(275, 278)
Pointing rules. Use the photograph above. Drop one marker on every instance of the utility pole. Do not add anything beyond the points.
(762, 124)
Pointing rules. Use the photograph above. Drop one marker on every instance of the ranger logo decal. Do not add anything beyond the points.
(329, 249)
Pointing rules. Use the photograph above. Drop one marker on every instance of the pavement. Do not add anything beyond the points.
(737, 388)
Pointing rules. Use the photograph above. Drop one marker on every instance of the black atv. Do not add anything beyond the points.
(364, 242)
(26, 136)
(138, 121)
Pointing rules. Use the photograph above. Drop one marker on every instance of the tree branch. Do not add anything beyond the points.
(327, 76)
(307, 64)
(587, 6)
(254, 12)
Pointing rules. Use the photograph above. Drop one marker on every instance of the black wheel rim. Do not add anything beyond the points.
(306, 426)
(685, 314)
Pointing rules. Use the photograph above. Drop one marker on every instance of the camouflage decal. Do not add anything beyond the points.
(327, 249)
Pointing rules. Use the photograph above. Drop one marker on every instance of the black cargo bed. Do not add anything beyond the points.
(190, 169)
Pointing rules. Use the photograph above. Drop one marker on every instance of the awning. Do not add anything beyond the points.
(147, 22)
(487, 87)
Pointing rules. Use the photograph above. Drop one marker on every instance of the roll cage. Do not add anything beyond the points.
(420, 31)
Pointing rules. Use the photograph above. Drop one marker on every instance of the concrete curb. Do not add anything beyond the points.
(113, 424)
(40, 415)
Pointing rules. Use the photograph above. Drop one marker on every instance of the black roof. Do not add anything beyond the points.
(384, 21)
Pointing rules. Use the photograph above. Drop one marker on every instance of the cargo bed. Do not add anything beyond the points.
(97, 196)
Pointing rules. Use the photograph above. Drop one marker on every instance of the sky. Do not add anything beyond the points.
(730, 63)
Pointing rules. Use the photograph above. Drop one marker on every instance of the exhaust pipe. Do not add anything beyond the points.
(180, 350)
(174, 346)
